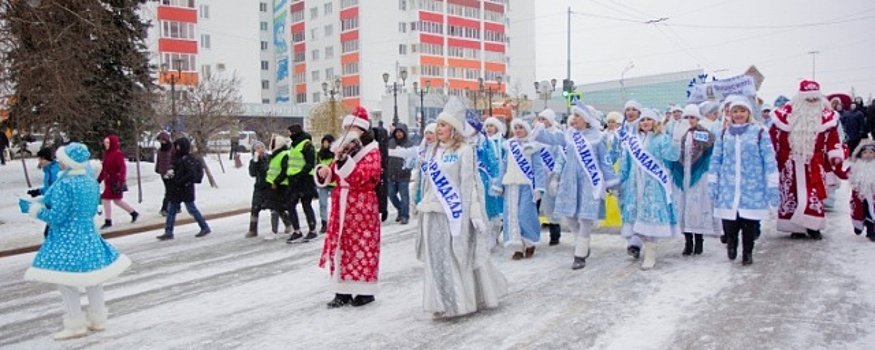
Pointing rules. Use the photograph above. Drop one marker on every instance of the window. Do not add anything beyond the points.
(265, 101)
(402, 49)
(262, 6)
(263, 26)
(314, 54)
(434, 71)
(493, 16)
(431, 27)
(402, 5)
(463, 32)
(349, 24)
(402, 27)
(314, 12)
(314, 34)
(177, 30)
(431, 5)
(301, 98)
(265, 84)
(348, 3)
(493, 36)
(180, 61)
(329, 52)
(206, 70)
(329, 73)
(432, 49)
(314, 75)
(298, 16)
(329, 8)
(298, 37)
(204, 11)
(299, 57)
(263, 45)
(179, 3)
(265, 65)
(299, 78)
(205, 41)
(350, 46)
(351, 68)
(329, 30)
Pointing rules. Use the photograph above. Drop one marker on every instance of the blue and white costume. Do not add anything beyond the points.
(522, 175)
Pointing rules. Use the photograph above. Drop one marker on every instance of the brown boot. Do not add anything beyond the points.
(530, 251)
(517, 256)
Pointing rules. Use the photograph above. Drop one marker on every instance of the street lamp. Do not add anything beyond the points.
(545, 89)
(622, 85)
(334, 90)
(421, 93)
(173, 81)
(395, 92)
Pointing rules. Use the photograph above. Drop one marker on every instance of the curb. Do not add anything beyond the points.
(133, 230)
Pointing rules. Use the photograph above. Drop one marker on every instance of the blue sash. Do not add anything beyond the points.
(423, 165)
(547, 158)
(520, 159)
(588, 161)
(645, 161)
(448, 196)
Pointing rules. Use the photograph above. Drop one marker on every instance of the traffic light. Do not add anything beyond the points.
(567, 87)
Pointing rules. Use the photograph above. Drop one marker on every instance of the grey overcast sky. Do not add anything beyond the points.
(721, 37)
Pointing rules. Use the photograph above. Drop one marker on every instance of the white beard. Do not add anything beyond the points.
(804, 122)
(861, 178)
(347, 137)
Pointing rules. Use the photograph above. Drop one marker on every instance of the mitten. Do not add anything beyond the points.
(536, 194)
(34, 192)
(24, 205)
(681, 127)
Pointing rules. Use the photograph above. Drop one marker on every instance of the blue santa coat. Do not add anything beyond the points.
(527, 216)
(648, 211)
(576, 200)
(488, 168)
(74, 253)
(743, 166)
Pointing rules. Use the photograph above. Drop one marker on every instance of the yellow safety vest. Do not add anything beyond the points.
(296, 158)
(327, 162)
(273, 170)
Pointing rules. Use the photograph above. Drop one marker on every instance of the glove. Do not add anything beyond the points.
(774, 196)
(169, 174)
(34, 192)
(536, 195)
(712, 188)
(553, 188)
(479, 225)
(681, 127)
(24, 205)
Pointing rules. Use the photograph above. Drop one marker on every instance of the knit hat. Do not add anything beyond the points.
(674, 108)
(614, 116)
(45, 153)
(550, 115)
(359, 118)
(257, 144)
(809, 88)
(649, 113)
(633, 104)
(74, 155)
(692, 110)
(522, 123)
(498, 124)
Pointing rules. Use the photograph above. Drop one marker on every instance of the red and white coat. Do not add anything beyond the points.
(803, 186)
(352, 245)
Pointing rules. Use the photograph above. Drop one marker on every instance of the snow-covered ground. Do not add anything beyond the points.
(226, 292)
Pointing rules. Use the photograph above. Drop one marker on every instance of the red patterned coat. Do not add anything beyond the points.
(803, 186)
(352, 245)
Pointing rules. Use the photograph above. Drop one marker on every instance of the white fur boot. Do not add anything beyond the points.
(74, 327)
(96, 320)
(649, 255)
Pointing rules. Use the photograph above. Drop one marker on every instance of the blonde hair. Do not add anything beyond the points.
(453, 143)
(657, 126)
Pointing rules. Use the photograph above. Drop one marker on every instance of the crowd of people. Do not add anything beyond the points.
(474, 185)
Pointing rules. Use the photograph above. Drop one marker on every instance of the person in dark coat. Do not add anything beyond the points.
(276, 198)
(180, 189)
(854, 123)
(258, 170)
(870, 118)
(382, 138)
(4, 144)
(398, 174)
(114, 176)
(302, 160)
(324, 156)
(163, 159)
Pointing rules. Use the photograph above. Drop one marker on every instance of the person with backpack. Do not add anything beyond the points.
(184, 174)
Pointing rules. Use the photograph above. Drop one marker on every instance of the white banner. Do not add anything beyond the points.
(744, 85)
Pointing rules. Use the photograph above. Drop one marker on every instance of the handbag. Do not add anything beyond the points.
(119, 187)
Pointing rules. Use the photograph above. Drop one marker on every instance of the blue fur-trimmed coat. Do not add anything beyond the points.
(73, 253)
(743, 166)
(513, 180)
(644, 206)
(488, 167)
(576, 200)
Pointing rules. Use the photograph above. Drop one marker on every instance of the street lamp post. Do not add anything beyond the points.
(173, 81)
(545, 89)
(421, 93)
(395, 92)
(622, 81)
(334, 90)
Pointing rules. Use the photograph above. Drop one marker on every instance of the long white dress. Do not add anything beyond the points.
(459, 277)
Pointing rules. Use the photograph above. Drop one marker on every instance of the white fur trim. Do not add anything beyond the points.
(612, 183)
(80, 171)
(350, 163)
(35, 208)
(858, 224)
(316, 176)
(837, 153)
(79, 279)
(809, 94)
(656, 230)
(522, 123)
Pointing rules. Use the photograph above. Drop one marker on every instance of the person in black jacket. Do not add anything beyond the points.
(398, 174)
(301, 186)
(258, 170)
(181, 189)
(4, 144)
(276, 198)
(382, 138)
(854, 123)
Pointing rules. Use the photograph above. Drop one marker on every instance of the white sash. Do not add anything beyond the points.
(521, 161)
(448, 196)
(547, 158)
(588, 161)
(645, 161)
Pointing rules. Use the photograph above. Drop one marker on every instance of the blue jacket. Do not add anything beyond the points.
(648, 208)
(743, 176)
(74, 253)
(50, 175)
(854, 123)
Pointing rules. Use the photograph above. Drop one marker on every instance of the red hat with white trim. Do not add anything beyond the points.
(359, 118)
(809, 88)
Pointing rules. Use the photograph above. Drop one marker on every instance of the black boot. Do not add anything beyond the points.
(688, 244)
(339, 300)
(815, 235)
(253, 227)
(324, 228)
(747, 242)
(732, 246)
(634, 251)
(360, 300)
(697, 249)
(134, 216)
(106, 224)
(578, 263)
(555, 233)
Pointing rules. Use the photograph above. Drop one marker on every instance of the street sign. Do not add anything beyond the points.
(573, 98)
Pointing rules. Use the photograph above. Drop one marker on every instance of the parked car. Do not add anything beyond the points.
(221, 142)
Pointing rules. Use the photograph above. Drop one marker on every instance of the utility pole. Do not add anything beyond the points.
(813, 63)
(568, 51)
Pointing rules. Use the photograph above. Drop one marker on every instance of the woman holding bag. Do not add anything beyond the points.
(114, 176)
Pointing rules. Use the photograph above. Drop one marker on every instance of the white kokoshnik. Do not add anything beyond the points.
(521, 161)
(588, 162)
(645, 161)
(448, 196)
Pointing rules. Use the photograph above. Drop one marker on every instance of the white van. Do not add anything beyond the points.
(221, 142)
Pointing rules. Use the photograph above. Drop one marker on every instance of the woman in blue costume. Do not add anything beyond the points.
(522, 176)
(553, 158)
(495, 130)
(74, 254)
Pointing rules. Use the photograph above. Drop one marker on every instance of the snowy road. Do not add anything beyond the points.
(226, 292)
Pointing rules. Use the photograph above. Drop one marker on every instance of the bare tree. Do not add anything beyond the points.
(208, 108)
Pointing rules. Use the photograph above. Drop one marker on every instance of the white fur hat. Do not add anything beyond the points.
(649, 113)
(498, 124)
(633, 104)
(590, 114)
(523, 123)
(692, 110)
(742, 103)
(430, 128)
(550, 115)
(708, 107)
(74, 155)
(614, 116)
(454, 114)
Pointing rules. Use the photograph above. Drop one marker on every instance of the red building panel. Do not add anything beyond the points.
(176, 45)
(491, 6)
(495, 27)
(468, 44)
(493, 47)
(348, 13)
(431, 17)
(350, 35)
(431, 39)
(468, 3)
(300, 47)
(298, 6)
(462, 22)
(167, 13)
(298, 27)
